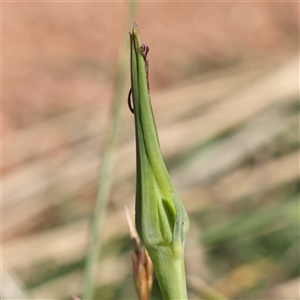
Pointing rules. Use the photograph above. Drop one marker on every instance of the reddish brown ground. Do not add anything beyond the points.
(61, 56)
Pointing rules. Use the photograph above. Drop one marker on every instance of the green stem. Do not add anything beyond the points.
(170, 274)
(106, 170)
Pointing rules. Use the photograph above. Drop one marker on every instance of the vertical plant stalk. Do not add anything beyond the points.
(161, 219)
(106, 169)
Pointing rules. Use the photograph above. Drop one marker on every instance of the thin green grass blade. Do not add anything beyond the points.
(106, 170)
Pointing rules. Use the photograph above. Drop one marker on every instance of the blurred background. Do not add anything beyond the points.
(224, 83)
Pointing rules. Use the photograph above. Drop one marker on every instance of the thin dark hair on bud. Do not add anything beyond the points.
(129, 101)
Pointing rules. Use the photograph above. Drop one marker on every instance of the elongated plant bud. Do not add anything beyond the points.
(161, 219)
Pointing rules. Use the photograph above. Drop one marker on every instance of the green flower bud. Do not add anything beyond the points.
(161, 219)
